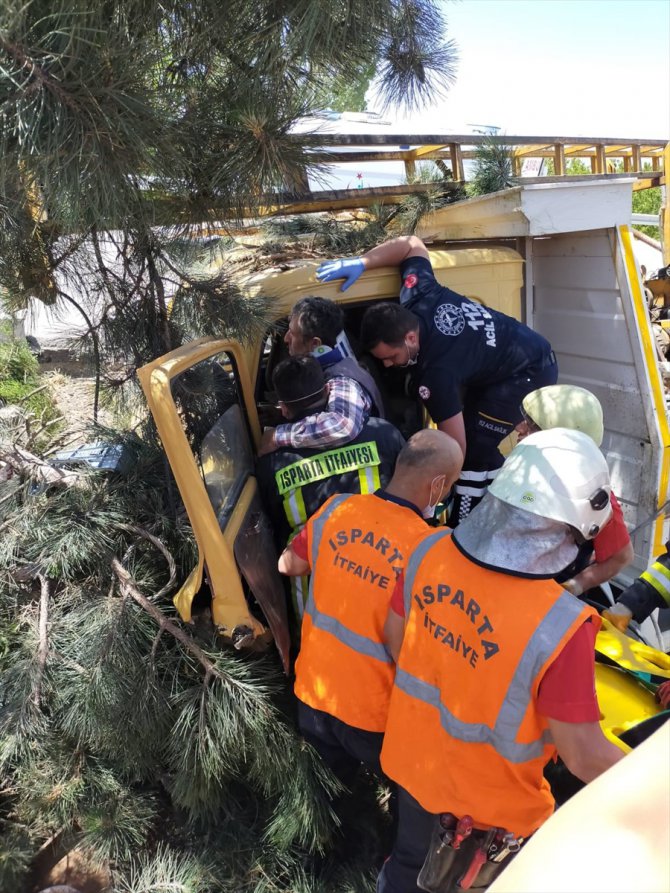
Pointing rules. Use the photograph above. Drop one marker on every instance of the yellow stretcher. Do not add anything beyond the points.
(627, 675)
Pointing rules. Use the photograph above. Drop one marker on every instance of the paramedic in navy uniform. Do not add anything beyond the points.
(473, 366)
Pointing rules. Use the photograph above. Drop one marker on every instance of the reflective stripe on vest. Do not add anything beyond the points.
(415, 560)
(658, 576)
(300, 592)
(294, 508)
(502, 737)
(299, 588)
(361, 457)
(368, 479)
(326, 622)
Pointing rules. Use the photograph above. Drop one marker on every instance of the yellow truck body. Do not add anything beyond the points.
(558, 257)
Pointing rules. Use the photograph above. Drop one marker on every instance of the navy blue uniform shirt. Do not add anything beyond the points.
(461, 342)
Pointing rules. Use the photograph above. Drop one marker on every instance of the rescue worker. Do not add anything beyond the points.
(569, 406)
(315, 328)
(354, 546)
(495, 665)
(473, 365)
(294, 482)
(651, 590)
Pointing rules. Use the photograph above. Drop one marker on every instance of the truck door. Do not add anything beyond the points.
(202, 401)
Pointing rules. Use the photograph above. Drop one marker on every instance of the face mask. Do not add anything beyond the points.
(411, 360)
(429, 512)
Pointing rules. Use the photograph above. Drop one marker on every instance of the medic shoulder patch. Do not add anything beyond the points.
(449, 319)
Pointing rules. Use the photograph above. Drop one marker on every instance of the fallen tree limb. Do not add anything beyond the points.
(25, 463)
(46, 587)
(129, 588)
(162, 548)
(51, 853)
(643, 237)
(32, 393)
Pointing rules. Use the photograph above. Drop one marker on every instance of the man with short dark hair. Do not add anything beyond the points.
(316, 328)
(314, 321)
(295, 482)
(473, 365)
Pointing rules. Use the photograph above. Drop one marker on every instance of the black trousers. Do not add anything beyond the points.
(342, 747)
(415, 826)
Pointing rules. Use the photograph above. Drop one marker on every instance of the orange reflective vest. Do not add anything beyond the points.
(357, 545)
(463, 733)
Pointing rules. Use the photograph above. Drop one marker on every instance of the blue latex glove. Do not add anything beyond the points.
(349, 269)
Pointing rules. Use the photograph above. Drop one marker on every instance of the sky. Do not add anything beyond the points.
(556, 67)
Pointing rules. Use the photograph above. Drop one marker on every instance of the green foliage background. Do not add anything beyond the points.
(20, 384)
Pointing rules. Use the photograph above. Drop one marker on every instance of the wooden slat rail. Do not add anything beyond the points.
(454, 149)
(339, 199)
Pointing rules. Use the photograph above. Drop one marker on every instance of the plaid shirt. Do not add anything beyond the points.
(347, 411)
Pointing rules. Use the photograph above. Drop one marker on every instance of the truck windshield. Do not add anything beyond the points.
(212, 413)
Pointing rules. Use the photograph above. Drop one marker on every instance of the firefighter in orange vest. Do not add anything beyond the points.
(355, 546)
(495, 669)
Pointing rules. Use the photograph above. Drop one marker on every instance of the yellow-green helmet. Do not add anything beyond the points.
(566, 406)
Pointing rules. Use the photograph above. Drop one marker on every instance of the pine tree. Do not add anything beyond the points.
(128, 128)
(493, 168)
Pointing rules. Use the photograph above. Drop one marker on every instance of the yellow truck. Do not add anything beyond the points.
(557, 256)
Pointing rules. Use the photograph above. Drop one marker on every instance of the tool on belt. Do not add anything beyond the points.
(461, 857)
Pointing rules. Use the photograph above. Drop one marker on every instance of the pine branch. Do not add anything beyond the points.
(25, 463)
(64, 439)
(493, 169)
(32, 393)
(130, 589)
(162, 548)
(35, 433)
(46, 587)
(38, 76)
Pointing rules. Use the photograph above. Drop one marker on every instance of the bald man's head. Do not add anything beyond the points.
(429, 453)
(426, 469)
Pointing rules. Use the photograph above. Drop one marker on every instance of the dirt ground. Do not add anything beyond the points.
(74, 874)
(72, 385)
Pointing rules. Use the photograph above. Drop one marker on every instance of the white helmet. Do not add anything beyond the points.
(565, 406)
(558, 474)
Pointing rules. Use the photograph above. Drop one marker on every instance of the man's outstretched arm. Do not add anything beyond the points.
(389, 254)
(394, 252)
